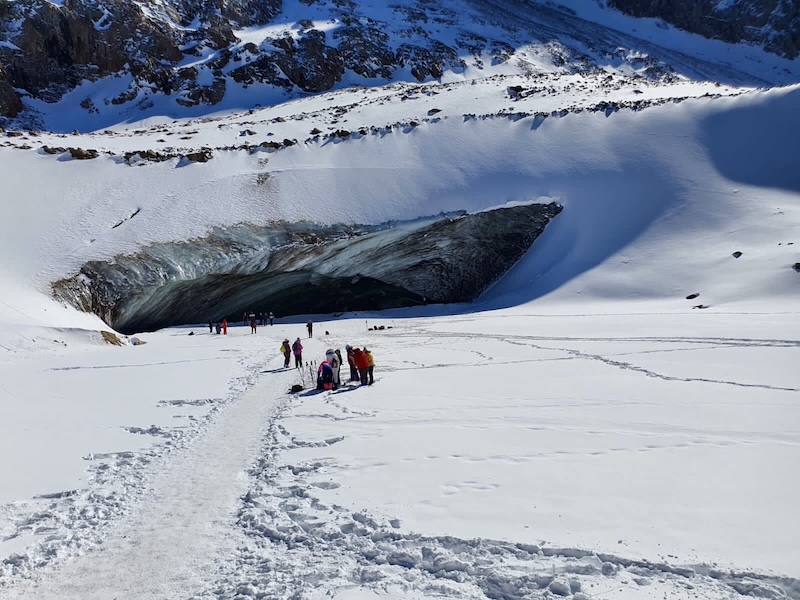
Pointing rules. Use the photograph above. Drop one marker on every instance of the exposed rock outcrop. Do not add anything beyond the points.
(773, 24)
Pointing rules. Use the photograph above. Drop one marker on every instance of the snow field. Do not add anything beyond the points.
(497, 451)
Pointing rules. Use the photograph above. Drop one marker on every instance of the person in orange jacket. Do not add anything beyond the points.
(224, 326)
(362, 364)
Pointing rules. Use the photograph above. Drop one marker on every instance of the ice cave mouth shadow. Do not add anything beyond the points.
(306, 268)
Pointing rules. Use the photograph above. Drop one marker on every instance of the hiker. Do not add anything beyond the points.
(224, 326)
(339, 368)
(219, 328)
(371, 365)
(286, 349)
(352, 362)
(253, 324)
(297, 348)
(210, 326)
(244, 319)
(325, 376)
(362, 364)
(271, 317)
(335, 363)
(310, 327)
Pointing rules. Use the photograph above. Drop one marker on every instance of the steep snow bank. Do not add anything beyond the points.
(651, 204)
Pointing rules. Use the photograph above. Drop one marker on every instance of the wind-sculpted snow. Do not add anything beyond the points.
(293, 268)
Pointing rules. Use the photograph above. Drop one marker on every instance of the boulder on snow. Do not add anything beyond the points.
(112, 338)
(53, 150)
(796, 266)
(81, 154)
(692, 296)
(201, 156)
(736, 254)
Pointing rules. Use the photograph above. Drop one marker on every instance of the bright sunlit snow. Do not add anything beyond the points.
(582, 430)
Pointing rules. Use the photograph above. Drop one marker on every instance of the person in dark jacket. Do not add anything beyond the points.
(351, 361)
(286, 348)
(325, 376)
(310, 327)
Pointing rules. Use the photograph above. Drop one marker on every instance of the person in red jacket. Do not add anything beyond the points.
(362, 364)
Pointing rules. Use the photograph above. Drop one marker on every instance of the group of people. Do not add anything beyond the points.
(256, 319)
(288, 349)
(221, 326)
(361, 363)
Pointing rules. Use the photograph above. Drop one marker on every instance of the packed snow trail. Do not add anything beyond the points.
(173, 541)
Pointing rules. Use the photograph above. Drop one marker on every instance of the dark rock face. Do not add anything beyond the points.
(773, 24)
(294, 268)
(59, 46)
(10, 102)
(310, 64)
(51, 49)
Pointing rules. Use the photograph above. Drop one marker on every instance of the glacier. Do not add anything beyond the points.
(306, 268)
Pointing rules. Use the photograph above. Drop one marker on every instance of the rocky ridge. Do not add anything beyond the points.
(131, 57)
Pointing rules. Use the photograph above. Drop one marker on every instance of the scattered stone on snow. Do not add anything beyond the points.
(82, 154)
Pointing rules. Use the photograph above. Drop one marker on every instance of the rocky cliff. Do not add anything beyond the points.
(126, 56)
(189, 49)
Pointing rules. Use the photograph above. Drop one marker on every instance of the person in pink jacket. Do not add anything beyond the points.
(297, 348)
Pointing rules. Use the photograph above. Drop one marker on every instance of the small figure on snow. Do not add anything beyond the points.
(310, 327)
(286, 349)
(336, 364)
(325, 376)
(362, 364)
(352, 362)
(371, 368)
(297, 348)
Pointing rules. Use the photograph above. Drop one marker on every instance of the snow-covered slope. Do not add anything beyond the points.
(615, 417)
(656, 200)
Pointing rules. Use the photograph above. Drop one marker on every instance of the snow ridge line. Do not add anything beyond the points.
(297, 545)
